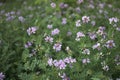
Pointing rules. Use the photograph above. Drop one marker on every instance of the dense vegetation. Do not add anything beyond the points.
(59, 40)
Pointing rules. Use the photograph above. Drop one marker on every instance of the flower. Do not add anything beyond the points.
(55, 31)
(63, 5)
(69, 60)
(101, 30)
(61, 64)
(105, 67)
(64, 21)
(28, 44)
(85, 19)
(49, 26)
(57, 47)
(92, 36)
(21, 19)
(50, 62)
(113, 19)
(48, 39)
(78, 23)
(80, 34)
(31, 30)
(85, 61)
(53, 5)
(86, 51)
(69, 33)
(2, 76)
(96, 46)
(79, 1)
(110, 44)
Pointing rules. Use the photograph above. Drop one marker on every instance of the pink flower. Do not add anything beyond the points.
(31, 30)
(85, 19)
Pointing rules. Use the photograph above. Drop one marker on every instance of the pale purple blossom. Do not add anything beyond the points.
(86, 51)
(28, 44)
(80, 1)
(78, 10)
(53, 5)
(49, 26)
(110, 44)
(69, 60)
(57, 47)
(63, 5)
(55, 31)
(93, 23)
(48, 39)
(78, 24)
(85, 61)
(101, 5)
(69, 33)
(92, 36)
(31, 30)
(118, 28)
(80, 34)
(85, 19)
(96, 46)
(64, 20)
(2, 76)
(113, 19)
(21, 19)
(50, 62)
(61, 64)
(10, 18)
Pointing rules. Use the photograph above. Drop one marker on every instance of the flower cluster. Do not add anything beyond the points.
(113, 19)
(61, 64)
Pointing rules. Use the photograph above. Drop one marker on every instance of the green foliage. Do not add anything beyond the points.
(31, 63)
